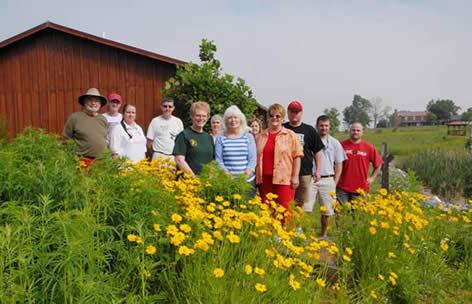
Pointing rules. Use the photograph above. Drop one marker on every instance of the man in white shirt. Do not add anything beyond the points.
(113, 116)
(163, 129)
(331, 166)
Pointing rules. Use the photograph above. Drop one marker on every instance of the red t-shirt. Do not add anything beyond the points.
(268, 155)
(356, 167)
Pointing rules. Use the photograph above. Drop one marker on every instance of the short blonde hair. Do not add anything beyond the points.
(277, 108)
(199, 105)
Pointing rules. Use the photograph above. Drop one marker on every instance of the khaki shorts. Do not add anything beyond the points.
(304, 193)
(325, 187)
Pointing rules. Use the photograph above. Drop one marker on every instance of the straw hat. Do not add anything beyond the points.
(95, 93)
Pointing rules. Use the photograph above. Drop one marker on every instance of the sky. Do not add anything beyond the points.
(321, 53)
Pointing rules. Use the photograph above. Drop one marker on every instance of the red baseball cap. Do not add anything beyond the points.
(114, 96)
(295, 106)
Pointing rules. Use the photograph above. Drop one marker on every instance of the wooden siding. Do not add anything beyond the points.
(42, 75)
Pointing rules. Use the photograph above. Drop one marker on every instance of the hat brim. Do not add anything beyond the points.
(103, 100)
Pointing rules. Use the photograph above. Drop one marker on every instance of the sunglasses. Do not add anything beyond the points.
(277, 116)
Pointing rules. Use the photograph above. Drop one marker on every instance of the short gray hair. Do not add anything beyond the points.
(216, 117)
(235, 111)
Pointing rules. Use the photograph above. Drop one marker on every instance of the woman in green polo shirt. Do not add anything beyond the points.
(193, 146)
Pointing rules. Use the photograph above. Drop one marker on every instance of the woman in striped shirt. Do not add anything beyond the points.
(235, 148)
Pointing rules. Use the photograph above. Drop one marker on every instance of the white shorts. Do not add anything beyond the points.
(156, 155)
(325, 187)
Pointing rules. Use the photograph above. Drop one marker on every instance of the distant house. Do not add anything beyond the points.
(409, 118)
(43, 70)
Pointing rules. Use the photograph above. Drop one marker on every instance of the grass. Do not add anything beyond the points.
(405, 141)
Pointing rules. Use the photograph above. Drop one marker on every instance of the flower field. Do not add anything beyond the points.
(124, 233)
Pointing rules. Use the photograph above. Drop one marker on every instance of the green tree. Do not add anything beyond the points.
(431, 118)
(467, 115)
(358, 111)
(333, 115)
(206, 82)
(442, 108)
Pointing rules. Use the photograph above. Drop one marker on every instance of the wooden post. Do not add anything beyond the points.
(387, 158)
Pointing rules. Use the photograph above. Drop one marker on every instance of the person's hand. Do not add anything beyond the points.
(295, 181)
(249, 172)
(317, 176)
(370, 180)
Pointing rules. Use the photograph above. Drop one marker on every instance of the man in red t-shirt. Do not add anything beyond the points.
(355, 174)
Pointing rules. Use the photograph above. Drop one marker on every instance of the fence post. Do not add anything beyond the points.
(387, 158)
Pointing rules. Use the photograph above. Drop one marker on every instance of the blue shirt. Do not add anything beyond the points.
(235, 155)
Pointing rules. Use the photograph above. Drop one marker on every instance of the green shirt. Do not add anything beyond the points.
(198, 148)
(88, 132)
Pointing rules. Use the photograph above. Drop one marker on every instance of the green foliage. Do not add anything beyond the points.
(442, 108)
(333, 115)
(431, 118)
(358, 111)
(442, 170)
(467, 116)
(405, 181)
(206, 82)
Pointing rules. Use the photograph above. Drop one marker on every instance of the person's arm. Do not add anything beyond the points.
(182, 164)
(295, 179)
(68, 131)
(252, 156)
(317, 173)
(150, 135)
(219, 153)
(338, 169)
(372, 178)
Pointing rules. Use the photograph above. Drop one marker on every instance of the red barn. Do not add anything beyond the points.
(45, 69)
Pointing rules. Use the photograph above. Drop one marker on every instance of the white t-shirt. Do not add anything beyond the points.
(112, 120)
(133, 148)
(163, 132)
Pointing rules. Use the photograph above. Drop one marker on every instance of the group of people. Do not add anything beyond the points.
(293, 160)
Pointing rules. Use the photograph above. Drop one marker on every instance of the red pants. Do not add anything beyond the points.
(285, 193)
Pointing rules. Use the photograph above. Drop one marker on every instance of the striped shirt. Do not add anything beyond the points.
(235, 155)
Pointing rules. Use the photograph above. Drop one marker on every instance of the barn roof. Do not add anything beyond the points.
(86, 36)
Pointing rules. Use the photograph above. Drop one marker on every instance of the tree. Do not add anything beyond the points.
(431, 118)
(383, 123)
(467, 115)
(206, 82)
(442, 108)
(333, 115)
(378, 111)
(358, 111)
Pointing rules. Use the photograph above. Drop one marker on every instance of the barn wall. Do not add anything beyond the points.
(42, 75)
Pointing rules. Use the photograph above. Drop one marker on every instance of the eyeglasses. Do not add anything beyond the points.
(167, 106)
(276, 116)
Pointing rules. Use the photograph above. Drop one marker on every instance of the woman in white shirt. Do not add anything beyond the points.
(127, 138)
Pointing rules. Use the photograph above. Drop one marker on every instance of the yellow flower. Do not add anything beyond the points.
(372, 230)
(157, 227)
(226, 203)
(373, 295)
(293, 283)
(184, 250)
(259, 271)
(146, 273)
(219, 198)
(346, 258)
(392, 255)
(393, 274)
(185, 228)
(237, 196)
(444, 245)
(176, 218)
(151, 250)
(383, 192)
(233, 238)
(133, 237)
(323, 209)
(217, 234)
(248, 269)
(321, 282)
(218, 272)
(269, 253)
(392, 280)
(381, 277)
(260, 287)
(348, 250)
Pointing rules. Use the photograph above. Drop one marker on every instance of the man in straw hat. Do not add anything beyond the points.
(87, 127)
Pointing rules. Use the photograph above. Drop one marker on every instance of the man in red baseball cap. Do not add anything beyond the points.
(312, 145)
(113, 116)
